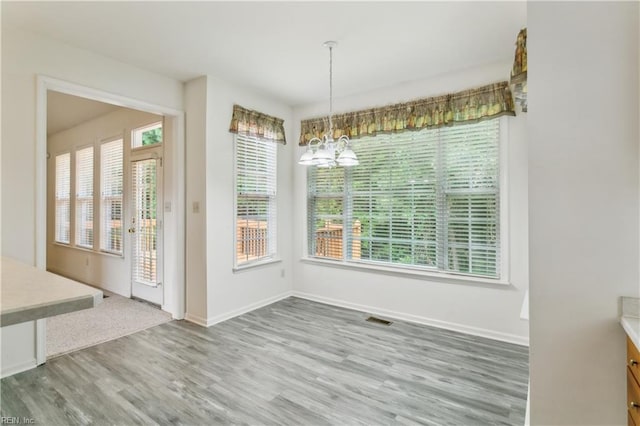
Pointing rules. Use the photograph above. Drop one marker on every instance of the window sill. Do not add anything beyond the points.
(88, 250)
(256, 264)
(408, 272)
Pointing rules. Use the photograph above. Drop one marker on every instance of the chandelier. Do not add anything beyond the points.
(322, 152)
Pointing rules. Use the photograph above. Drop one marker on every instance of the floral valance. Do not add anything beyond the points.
(253, 123)
(467, 106)
(519, 70)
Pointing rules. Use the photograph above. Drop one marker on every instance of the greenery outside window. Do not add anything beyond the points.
(427, 200)
(147, 135)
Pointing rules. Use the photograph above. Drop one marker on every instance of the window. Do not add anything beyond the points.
(63, 198)
(148, 135)
(84, 197)
(427, 199)
(255, 182)
(111, 196)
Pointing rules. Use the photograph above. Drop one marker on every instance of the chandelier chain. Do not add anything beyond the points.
(331, 91)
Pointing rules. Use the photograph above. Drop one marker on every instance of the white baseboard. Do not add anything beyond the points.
(18, 368)
(475, 331)
(236, 312)
(195, 319)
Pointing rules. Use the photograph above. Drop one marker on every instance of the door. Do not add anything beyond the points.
(145, 227)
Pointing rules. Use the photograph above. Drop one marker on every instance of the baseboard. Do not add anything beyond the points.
(195, 319)
(475, 331)
(18, 368)
(236, 312)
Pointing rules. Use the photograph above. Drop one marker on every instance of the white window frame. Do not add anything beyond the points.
(100, 195)
(70, 200)
(436, 275)
(75, 175)
(138, 132)
(272, 254)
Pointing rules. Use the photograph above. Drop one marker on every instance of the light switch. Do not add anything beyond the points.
(167, 206)
(196, 207)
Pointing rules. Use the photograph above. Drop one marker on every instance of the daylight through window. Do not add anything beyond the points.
(427, 199)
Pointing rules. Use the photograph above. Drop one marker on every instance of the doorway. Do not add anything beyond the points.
(171, 244)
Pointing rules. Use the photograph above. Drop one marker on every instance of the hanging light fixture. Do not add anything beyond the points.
(321, 152)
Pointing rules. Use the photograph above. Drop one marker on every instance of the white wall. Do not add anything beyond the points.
(17, 348)
(210, 157)
(195, 99)
(583, 206)
(107, 271)
(24, 56)
(489, 310)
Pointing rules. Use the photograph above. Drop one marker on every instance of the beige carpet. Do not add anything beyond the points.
(115, 317)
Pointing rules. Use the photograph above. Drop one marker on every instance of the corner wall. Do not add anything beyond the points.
(486, 310)
(211, 229)
(583, 206)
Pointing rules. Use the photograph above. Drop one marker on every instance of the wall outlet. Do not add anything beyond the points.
(282, 272)
(86, 261)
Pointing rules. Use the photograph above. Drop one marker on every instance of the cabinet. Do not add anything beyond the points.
(633, 384)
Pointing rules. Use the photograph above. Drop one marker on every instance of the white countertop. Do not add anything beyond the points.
(29, 293)
(632, 326)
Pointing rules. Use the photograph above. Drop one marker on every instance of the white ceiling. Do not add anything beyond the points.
(276, 47)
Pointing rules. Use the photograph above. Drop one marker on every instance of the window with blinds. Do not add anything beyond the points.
(63, 198)
(84, 198)
(111, 196)
(255, 182)
(426, 199)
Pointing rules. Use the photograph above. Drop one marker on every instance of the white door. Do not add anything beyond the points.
(145, 227)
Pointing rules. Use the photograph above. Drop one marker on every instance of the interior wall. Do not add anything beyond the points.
(583, 206)
(107, 271)
(24, 56)
(195, 99)
(211, 226)
(488, 310)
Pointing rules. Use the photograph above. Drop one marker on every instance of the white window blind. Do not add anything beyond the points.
(255, 180)
(84, 197)
(63, 198)
(426, 199)
(111, 196)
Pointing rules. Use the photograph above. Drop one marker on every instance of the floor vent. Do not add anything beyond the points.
(378, 321)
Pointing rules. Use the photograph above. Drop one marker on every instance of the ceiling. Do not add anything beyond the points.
(276, 47)
(67, 111)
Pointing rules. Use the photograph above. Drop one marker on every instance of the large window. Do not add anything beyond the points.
(428, 199)
(63, 198)
(84, 197)
(255, 182)
(111, 196)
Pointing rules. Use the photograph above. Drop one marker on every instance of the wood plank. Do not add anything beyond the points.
(294, 362)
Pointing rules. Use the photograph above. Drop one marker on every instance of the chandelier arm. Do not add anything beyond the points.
(322, 151)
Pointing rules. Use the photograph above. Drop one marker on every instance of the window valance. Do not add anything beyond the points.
(253, 123)
(467, 106)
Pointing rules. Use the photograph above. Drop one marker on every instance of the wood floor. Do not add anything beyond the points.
(294, 362)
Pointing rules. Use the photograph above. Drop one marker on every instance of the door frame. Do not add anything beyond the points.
(174, 223)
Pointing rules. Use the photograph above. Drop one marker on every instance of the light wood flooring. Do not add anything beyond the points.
(294, 362)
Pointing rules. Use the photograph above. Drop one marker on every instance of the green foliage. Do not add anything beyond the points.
(152, 137)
